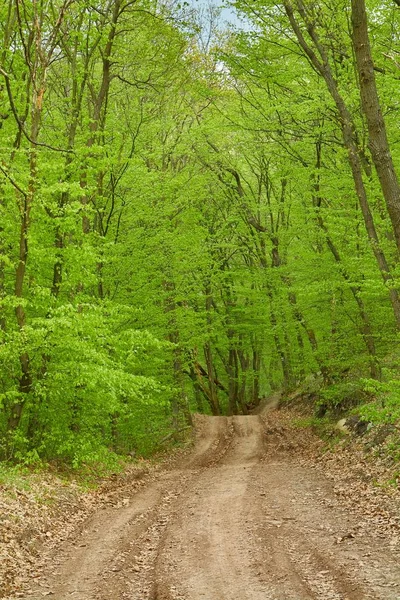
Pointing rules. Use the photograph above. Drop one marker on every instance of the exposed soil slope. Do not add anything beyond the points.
(241, 518)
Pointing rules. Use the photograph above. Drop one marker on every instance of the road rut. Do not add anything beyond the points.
(238, 519)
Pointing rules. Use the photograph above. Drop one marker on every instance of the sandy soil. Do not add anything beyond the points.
(240, 518)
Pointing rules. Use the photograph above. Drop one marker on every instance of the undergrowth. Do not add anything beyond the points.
(374, 404)
(22, 477)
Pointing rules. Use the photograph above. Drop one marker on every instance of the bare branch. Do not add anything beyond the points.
(20, 123)
(13, 182)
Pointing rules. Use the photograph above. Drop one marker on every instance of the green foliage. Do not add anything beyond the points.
(15, 476)
(179, 225)
(309, 422)
(385, 408)
(89, 390)
(342, 396)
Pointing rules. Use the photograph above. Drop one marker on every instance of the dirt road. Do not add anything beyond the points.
(238, 519)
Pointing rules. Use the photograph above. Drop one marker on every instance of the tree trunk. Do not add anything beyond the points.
(210, 374)
(215, 408)
(197, 390)
(57, 267)
(242, 388)
(284, 359)
(180, 404)
(255, 395)
(39, 56)
(100, 101)
(378, 141)
(365, 328)
(2, 286)
(25, 380)
(208, 351)
(232, 397)
(321, 65)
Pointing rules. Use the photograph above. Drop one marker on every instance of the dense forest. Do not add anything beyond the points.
(193, 215)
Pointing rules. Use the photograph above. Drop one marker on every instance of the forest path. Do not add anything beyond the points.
(238, 519)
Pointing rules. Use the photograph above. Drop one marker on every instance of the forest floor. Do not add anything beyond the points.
(255, 511)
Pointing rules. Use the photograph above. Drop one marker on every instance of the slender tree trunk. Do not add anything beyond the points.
(2, 274)
(321, 65)
(3, 323)
(25, 380)
(283, 357)
(39, 56)
(197, 390)
(78, 89)
(210, 375)
(179, 404)
(57, 268)
(215, 408)
(256, 364)
(282, 348)
(242, 388)
(208, 350)
(100, 101)
(232, 396)
(378, 141)
(365, 328)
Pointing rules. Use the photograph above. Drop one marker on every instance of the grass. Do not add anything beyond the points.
(15, 476)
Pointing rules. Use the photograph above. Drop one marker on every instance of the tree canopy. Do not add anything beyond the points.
(192, 216)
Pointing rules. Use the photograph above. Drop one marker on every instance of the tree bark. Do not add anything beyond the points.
(100, 101)
(197, 389)
(38, 55)
(215, 408)
(365, 328)
(2, 265)
(242, 387)
(233, 384)
(378, 141)
(255, 395)
(208, 350)
(25, 380)
(321, 65)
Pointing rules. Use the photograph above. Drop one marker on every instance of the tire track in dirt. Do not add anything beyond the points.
(213, 439)
(238, 519)
(204, 552)
(117, 545)
(306, 546)
(255, 526)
